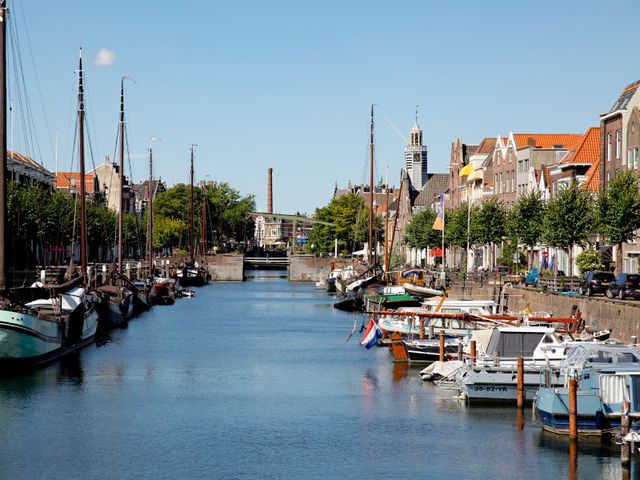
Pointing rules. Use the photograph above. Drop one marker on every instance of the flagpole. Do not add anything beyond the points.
(442, 206)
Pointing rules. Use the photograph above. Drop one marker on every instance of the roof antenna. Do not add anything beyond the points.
(417, 106)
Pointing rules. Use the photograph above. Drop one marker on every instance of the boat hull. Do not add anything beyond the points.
(27, 341)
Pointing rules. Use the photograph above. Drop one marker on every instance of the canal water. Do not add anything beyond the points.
(255, 380)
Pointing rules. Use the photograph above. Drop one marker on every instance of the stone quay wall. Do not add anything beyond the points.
(621, 317)
(226, 268)
(308, 268)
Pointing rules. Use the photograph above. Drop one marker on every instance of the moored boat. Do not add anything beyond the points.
(608, 376)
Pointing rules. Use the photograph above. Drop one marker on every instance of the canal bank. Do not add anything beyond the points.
(255, 380)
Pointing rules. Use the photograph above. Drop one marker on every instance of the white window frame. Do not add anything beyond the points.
(618, 143)
(609, 146)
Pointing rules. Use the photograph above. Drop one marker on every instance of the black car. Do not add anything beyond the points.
(596, 282)
(625, 285)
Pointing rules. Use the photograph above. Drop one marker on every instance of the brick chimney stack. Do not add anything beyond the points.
(270, 192)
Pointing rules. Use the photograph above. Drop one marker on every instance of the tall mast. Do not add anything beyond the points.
(203, 225)
(386, 221)
(371, 252)
(150, 215)
(83, 207)
(3, 146)
(191, 246)
(121, 199)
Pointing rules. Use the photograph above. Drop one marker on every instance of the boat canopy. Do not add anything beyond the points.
(518, 342)
(592, 354)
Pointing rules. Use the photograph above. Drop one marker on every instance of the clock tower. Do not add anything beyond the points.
(415, 157)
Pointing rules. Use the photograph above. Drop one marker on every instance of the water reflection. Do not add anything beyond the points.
(400, 371)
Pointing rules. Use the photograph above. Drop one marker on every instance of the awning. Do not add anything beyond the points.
(466, 170)
(475, 175)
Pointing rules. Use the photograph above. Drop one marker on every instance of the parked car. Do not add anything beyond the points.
(625, 285)
(595, 282)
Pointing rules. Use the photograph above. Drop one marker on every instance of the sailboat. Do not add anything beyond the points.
(41, 323)
(161, 290)
(118, 295)
(191, 274)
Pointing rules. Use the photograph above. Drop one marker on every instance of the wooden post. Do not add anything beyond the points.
(520, 400)
(472, 351)
(625, 448)
(421, 328)
(573, 410)
(442, 345)
(460, 351)
(573, 460)
(432, 332)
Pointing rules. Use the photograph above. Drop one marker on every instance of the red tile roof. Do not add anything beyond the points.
(592, 183)
(486, 146)
(65, 180)
(587, 151)
(547, 140)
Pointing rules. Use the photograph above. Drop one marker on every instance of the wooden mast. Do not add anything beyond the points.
(121, 199)
(203, 225)
(83, 207)
(191, 246)
(371, 249)
(3, 146)
(150, 216)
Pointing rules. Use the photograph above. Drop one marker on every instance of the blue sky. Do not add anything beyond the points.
(288, 84)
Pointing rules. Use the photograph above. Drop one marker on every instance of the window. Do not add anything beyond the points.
(618, 143)
(500, 186)
(513, 181)
(495, 183)
(608, 147)
(629, 157)
(635, 157)
(608, 177)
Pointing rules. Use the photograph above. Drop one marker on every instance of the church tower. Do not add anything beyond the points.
(415, 157)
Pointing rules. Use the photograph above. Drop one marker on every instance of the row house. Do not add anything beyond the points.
(460, 162)
(516, 157)
(620, 139)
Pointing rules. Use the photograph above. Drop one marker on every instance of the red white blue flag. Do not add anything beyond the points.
(371, 335)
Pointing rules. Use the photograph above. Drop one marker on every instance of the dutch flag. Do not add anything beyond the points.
(371, 335)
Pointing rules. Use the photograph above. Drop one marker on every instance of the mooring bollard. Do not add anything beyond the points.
(421, 328)
(460, 351)
(573, 409)
(472, 351)
(442, 345)
(520, 400)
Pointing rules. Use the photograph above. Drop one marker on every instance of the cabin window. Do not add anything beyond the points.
(600, 357)
(547, 339)
(627, 357)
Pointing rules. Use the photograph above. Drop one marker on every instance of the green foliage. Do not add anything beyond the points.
(569, 218)
(167, 232)
(350, 217)
(492, 219)
(524, 221)
(420, 233)
(228, 213)
(618, 208)
(588, 260)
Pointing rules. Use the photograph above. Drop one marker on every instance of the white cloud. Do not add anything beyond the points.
(105, 58)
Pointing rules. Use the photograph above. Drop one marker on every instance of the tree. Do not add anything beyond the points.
(618, 212)
(419, 232)
(492, 218)
(350, 218)
(524, 222)
(588, 260)
(569, 219)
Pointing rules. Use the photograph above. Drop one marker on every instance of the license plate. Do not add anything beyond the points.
(638, 290)
(605, 283)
